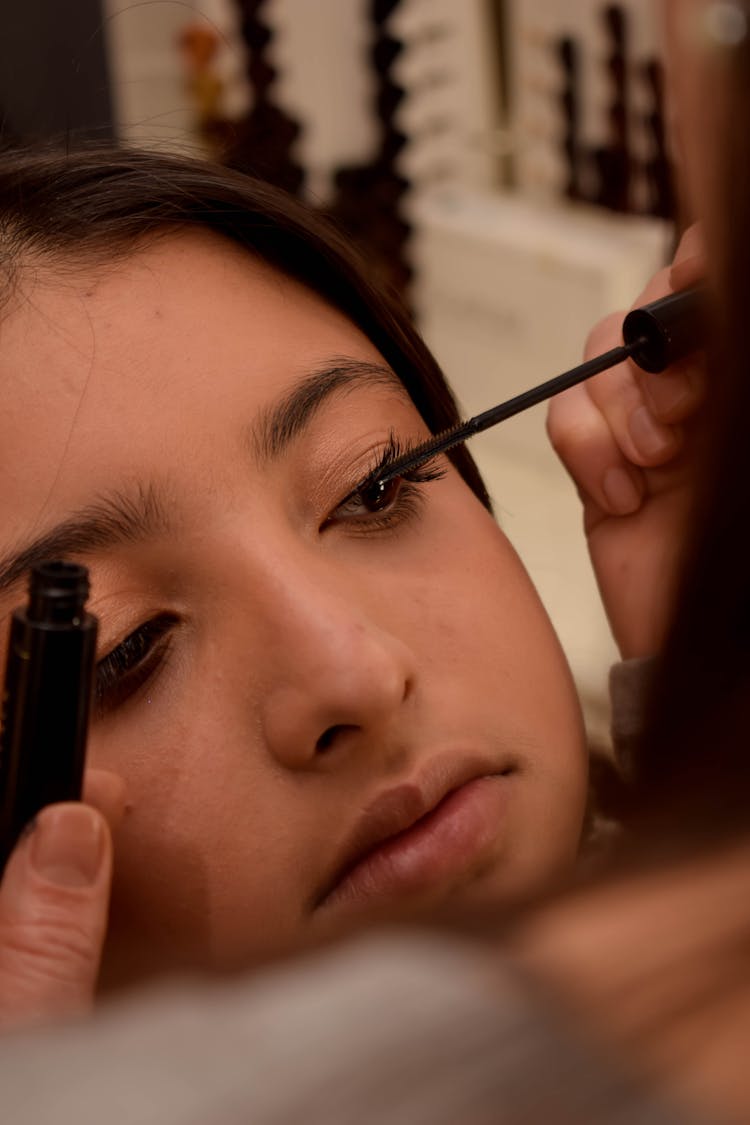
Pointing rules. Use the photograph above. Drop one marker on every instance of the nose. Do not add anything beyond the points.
(335, 675)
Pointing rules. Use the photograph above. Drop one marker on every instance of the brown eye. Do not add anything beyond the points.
(380, 494)
(373, 499)
(383, 505)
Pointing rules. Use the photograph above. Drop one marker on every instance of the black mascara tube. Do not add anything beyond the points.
(46, 698)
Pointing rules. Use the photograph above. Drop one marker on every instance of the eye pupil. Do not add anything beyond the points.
(380, 494)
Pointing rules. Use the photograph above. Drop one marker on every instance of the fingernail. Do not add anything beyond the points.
(621, 492)
(67, 845)
(650, 439)
(688, 271)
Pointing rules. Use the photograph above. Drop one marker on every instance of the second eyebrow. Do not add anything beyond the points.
(280, 424)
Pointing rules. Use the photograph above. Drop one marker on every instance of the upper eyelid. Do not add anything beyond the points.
(384, 456)
(106, 650)
(165, 618)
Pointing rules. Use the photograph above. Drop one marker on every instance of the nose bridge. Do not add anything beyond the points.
(331, 663)
(328, 620)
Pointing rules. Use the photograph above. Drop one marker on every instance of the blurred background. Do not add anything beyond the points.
(505, 164)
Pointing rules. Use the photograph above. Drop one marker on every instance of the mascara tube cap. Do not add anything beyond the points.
(57, 593)
(667, 330)
(46, 697)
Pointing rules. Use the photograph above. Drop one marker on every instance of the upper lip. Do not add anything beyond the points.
(398, 809)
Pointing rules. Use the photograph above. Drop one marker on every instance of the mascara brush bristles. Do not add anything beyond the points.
(425, 451)
(459, 433)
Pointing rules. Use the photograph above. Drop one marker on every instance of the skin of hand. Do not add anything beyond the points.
(629, 441)
(656, 966)
(54, 899)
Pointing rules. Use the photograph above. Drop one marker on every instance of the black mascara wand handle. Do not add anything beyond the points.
(516, 405)
(46, 698)
(656, 336)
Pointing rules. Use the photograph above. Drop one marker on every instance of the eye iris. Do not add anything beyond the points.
(380, 494)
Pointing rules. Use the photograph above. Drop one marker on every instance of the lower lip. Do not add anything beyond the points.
(444, 845)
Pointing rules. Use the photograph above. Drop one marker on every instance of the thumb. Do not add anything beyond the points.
(54, 898)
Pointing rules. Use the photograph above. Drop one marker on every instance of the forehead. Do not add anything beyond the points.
(144, 359)
(180, 297)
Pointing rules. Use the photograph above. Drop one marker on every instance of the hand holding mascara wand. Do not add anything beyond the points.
(57, 861)
(655, 336)
(46, 698)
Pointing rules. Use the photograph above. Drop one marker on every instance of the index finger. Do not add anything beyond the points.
(675, 394)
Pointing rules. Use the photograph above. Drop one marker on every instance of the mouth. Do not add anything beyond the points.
(420, 836)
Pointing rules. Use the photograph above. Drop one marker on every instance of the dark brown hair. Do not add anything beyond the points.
(103, 202)
(693, 770)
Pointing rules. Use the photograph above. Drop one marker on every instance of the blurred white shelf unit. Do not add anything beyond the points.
(508, 288)
(535, 33)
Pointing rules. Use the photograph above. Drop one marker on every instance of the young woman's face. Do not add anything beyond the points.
(327, 711)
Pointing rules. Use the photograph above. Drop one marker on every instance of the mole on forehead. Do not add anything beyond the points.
(89, 266)
(37, 282)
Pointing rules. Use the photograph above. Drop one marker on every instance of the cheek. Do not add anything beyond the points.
(204, 845)
(479, 598)
(508, 669)
(181, 780)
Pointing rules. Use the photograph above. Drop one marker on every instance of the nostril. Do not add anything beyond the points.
(329, 736)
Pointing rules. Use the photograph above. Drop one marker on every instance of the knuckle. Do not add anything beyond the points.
(52, 946)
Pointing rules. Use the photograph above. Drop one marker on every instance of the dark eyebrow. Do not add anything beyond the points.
(119, 517)
(281, 423)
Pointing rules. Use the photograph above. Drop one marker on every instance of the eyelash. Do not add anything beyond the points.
(408, 496)
(131, 664)
(141, 655)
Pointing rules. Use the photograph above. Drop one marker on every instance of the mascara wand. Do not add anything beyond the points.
(655, 336)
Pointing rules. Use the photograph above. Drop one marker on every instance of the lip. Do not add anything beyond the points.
(420, 833)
